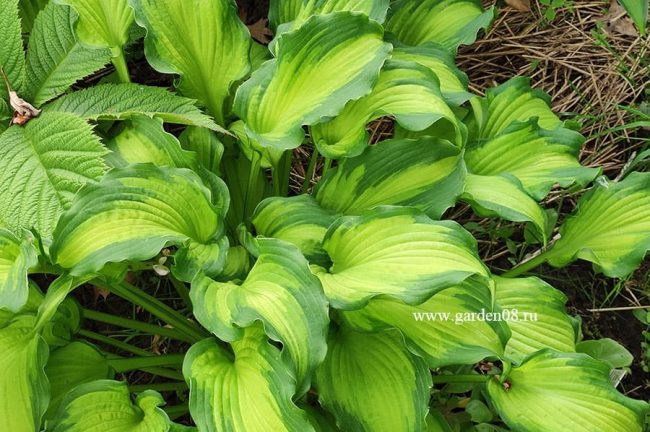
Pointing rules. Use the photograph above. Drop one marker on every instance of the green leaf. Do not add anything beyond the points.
(45, 163)
(107, 404)
(503, 196)
(638, 10)
(71, 366)
(427, 174)
(55, 59)
(564, 391)
(537, 317)
(102, 23)
(608, 351)
(123, 101)
(446, 329)
(397, 252)
(406, 91)
(297, 12)
(538, 158)
(24, 389)
(453, 82)
(131, 215)
(29, 10)
(281, 291)
(319, 67)
(360, 370)
(202, 41)
(209, 150)
(298, 220)
(251, 390)
(12, 55)
(17, 256)
(449, 23)
(610, 228)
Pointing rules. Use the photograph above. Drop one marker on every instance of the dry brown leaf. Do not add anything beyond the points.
(99, 292)
(520, 5)
(23, 110)
(260, 32)
(618, 21)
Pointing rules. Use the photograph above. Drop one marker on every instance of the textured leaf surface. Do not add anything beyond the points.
(55, 59)
(131, 215)
(251, 390)
(209, 150)
(610, 228)
(550, 327)
(541, 398)
(360, 370)
(397, 252)
(45, 164)
(12, 56)
(202, 40)
(319, 67)
(123, 101)
(106, 405)
(16, 257)
(405, 90)
(426, 173)
(444, 329)
(448, 22)
(297, 12)
(281, 291)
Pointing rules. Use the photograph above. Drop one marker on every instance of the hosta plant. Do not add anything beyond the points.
(356, 304)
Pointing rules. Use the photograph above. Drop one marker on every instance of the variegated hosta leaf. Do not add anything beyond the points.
(504, 196)
(361, 370)
(123, 101)
(16, 258)
(106, 405)
(202, 40)
(445, 329)
(448, 22)
(55, 59)
(554, 391)
(44, 164)
(204, 142)
(281, 291)
(71, 366)
(12, 54)
(538, 158)
(538, 317)
(103, 23)
(298, 220)
(427, 174)
(610, 228)
(406, 91)
(318, 68)
(453, 82)
(250, 390)
(396, 252)
(24, 390)
(131, 215)
(258, 55)
(296, 12)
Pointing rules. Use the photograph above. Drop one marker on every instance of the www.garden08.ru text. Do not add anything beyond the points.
(463, 317)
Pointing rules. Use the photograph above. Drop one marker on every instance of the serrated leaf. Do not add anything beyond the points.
(396, 252)
(318, 68)
(203, 41)
(448, 22)
(406, 91)
(296, 12)
(361, 369)
(131, 215)
(538, 317)
(45, 164)
(445, 329)
(17, 256)
(610, 228)
(108, 403)
(281, 291)
(248, 390)
(55, 60)
(638, 10)
(123, 101)
(12, 55)
(427, 174)
(564, 391)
